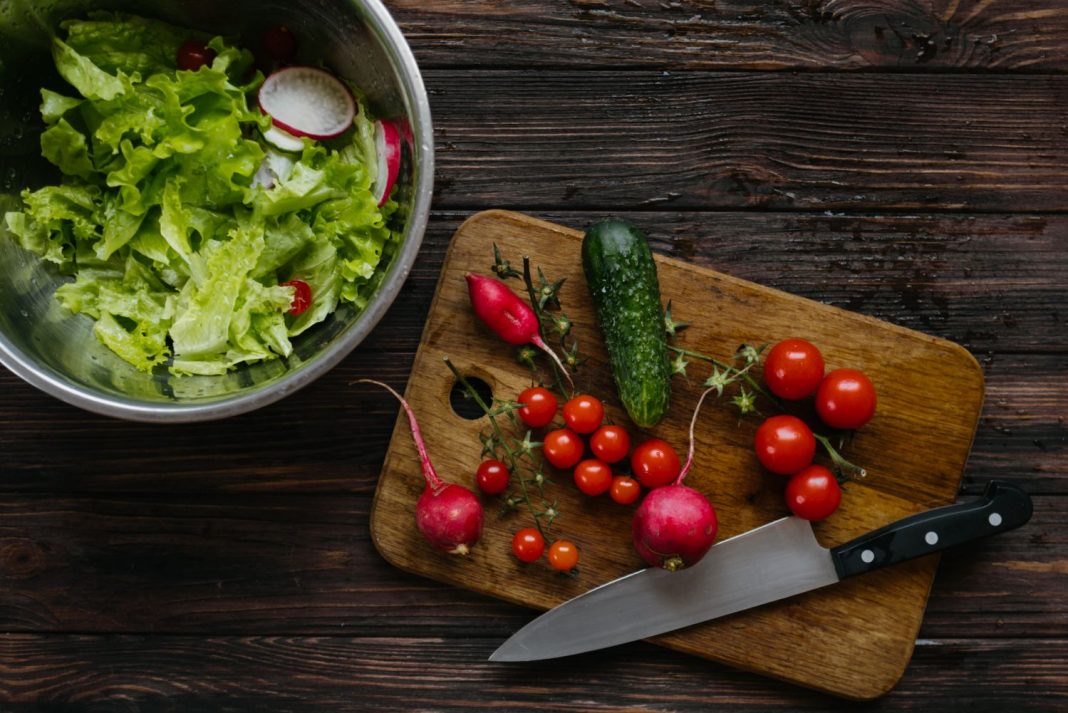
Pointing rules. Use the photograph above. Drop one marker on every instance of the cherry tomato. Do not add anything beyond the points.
(593, 477)
(583, 414)
(793, 369)
(302, 297)
(280, 44)
(655, 463)
(539, 407)
(563, 448)
(785, 445)
(563, 555)
(846, 399)
(610, 443)
(813, 494)
(492, 477)
(625, 489)
(528, 544)
(193, 55)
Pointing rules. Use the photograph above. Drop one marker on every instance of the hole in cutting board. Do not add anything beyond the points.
(463, 405)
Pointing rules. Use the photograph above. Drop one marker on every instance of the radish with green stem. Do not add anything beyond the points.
(510, 318)
(448, 515)
(675, 525)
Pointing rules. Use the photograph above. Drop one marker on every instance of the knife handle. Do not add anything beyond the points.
(1002, 507)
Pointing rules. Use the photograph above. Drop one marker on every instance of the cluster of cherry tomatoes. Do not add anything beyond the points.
(652, 463)
(844, 399)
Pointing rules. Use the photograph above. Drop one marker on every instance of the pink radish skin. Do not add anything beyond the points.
(388, 143)
(305, 101)
(675, 525)
(448, 515)
(510, 318)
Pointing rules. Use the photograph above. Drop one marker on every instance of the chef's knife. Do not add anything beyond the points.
(779, 560)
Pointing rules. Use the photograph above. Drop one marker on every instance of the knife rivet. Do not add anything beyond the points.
(931, 538)
(867, 556)
(994, 519)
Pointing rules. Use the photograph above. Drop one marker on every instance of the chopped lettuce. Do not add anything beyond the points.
(177, 251)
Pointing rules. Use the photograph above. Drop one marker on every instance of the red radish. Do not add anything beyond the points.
(510, 318)
(388, 144)
(675, 525)
(448, 515)
(306, 101)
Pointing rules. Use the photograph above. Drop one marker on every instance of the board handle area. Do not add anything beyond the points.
(1002, 507)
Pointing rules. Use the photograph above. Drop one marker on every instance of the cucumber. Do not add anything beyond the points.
(622, 279)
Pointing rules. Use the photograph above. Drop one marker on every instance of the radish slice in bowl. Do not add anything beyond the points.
(388, 145)
(283, 140)
(305, 101)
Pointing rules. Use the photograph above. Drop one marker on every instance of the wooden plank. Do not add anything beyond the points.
(386, 674)
(996, 284)
(303, 564)
(733, 34)
(602, 140)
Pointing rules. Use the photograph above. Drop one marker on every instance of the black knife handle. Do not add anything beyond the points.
(1002, 507)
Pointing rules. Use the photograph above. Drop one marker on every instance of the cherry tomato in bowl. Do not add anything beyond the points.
(193, 55)
(814, 493)
(846, 399)
(784, 444)
(539, 407)
(793, 369)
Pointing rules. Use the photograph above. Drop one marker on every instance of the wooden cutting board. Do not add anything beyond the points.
(853, 639)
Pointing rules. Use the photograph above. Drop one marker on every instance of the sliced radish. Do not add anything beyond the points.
(388, 144)
(283, 140)
(306, 101)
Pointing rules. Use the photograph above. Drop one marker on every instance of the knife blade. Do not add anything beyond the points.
(767, 564)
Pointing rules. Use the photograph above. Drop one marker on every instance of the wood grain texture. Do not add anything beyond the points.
(749, 140)
(998, 284)
(874, 618)
(733, 34)
(240, 674)
(288, 564)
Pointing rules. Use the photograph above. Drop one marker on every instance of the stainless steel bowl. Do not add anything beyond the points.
(56, 351)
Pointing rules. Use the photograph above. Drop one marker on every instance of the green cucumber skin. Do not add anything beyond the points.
(622, 278)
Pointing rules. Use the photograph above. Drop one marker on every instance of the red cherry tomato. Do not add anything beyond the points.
(846, 399)
(793, 369)
(593, 477)
(562, 448)
(193, 55)
(625, 490)
(539, 407)
(785, 445)
(302, 297)
(528, 544)
(655, 463)
(583, 414)
(563, 556)
(280, 44)
(813, 494)
(610, 443)
(492, 477)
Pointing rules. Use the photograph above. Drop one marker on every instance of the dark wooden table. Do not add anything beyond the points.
(904, 159)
